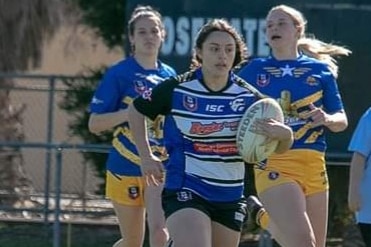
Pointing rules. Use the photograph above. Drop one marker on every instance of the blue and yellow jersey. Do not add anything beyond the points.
(200, 134)
(121, 83)
(296, 84)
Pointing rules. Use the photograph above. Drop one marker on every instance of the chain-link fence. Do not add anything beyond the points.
(62, 187)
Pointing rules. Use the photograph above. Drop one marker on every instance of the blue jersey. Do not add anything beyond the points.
(296, 84)
(361, 143)
(121, 83)
(200, 134)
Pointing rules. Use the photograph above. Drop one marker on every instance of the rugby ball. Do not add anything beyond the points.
(250, 145)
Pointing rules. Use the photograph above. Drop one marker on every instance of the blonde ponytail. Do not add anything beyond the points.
(323, 51)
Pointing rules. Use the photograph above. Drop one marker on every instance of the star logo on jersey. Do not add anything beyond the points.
(287, 70)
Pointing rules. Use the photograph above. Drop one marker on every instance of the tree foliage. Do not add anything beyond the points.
(25, 26)
(107, 18)
(76, 102)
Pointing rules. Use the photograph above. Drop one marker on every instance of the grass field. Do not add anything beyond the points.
(77, 235)
(41, 235)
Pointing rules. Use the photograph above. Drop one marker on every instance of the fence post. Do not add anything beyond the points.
(57, 209)
(49, 140)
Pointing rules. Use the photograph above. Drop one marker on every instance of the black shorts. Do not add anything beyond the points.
(366, 232)
(229, 214)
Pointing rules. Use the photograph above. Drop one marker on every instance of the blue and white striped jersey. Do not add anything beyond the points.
(200, 134)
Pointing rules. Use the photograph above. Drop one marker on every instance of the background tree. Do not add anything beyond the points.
(76, 101)
(107, 19)
(25, 26)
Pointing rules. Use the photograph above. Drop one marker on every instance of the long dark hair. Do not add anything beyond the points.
(223, 26)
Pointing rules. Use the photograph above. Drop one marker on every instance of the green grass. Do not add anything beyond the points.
(41, 235)
(77, 235)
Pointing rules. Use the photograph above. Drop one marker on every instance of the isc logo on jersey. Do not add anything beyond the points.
(237, 105)
(214, 108)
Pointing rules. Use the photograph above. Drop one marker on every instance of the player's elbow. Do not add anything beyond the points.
(338, 122)
(93, 126)
(344, 125)
(339, 126)
(94, 130)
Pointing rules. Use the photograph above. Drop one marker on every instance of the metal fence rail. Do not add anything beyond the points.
(56, 150)
(50, 158)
